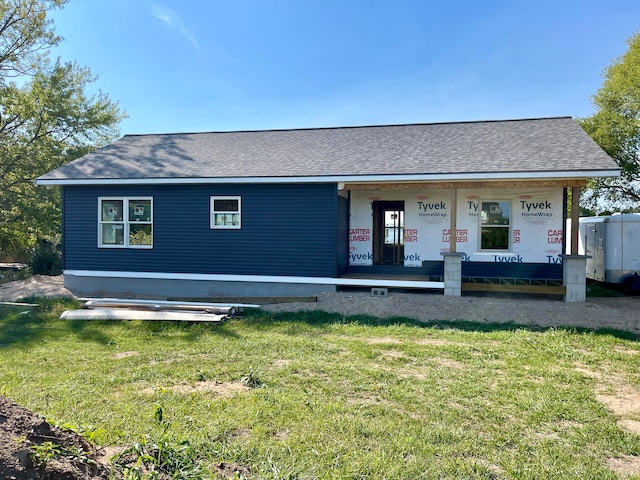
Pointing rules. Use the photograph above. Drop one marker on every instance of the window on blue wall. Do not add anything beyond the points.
(225, 212)
(495, 225)
(125, 222)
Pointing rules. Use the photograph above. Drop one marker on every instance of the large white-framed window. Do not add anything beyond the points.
(495, 225)
(125, 222)
(226, 212)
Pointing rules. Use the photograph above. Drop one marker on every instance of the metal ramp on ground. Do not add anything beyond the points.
(153, 310)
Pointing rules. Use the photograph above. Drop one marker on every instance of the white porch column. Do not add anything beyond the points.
(453, 273)
(574, 277)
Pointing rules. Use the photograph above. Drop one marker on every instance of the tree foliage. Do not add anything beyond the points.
(47, 119)
(615, 126)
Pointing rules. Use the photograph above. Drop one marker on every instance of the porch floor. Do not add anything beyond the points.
(387, 280)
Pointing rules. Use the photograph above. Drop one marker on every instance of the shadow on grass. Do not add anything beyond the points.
(23, 326)
(257, 318)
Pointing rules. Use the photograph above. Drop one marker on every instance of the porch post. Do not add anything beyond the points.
(453, 259)
(575, 219)
(574, 266)
(453, 227)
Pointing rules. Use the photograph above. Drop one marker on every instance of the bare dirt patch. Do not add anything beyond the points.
(448, 363)
(22, 433)
(393, 355)
(625, 400)
(365, 399)
(495, 470)
(121, 355)
(436, 342)
(620, 398)
(629, 425)
(232, 470)
(414, 373)
(627, 465)
(626, 351)
(221, 389)
(281, 434)
(382, 340)
(587, 372)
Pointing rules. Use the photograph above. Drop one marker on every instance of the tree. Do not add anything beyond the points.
(615, 126)
(25, 36)
(46, 120)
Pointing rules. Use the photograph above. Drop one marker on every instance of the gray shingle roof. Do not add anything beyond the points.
(492, 147)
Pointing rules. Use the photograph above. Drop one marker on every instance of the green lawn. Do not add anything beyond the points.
(314, 395)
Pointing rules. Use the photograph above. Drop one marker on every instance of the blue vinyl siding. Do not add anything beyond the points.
(286, 230)
(343, 235)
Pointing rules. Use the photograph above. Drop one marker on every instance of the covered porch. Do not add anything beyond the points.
(557, 271)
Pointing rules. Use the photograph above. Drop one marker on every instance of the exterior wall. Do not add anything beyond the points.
(342, 260)
(286, 230)
(536, 226)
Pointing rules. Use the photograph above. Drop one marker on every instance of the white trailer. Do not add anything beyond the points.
(613, 244)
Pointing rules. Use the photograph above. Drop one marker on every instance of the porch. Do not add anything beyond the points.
(393, 276)
(514, 240)
(532, 278)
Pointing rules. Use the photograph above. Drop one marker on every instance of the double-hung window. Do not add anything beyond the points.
(125, 222)
(495, 225)
(226, 212)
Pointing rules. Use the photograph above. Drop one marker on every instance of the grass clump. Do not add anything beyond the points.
(338, 397)
(252, 379)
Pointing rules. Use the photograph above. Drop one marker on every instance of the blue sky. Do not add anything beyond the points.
(219, 65)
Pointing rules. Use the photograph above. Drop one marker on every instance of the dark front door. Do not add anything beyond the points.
(388, 233)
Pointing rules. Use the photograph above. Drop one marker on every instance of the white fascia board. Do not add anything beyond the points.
(439, 177)
(358, 282)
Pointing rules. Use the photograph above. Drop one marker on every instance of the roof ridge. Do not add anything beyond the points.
(346, 127)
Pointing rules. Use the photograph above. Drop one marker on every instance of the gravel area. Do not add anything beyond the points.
(36, 286)
(622, 313)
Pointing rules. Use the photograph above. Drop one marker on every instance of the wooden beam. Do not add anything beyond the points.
(575, 219)
(468, 185)
(510, 288)
(453, 228)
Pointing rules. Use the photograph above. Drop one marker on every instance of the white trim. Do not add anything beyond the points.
(335, 178)
(212, 212)
(126, 222)
(356, 282)
(509, 249)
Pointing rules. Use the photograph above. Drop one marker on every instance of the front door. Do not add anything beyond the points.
(388, 233)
